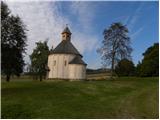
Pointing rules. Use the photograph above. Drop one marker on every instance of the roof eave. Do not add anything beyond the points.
(79, 63)
(65, 53)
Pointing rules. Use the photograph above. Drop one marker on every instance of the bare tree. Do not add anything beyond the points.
(115, 46)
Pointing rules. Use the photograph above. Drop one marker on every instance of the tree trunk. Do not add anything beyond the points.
(8, 78)
(40, 77)
(112, 67)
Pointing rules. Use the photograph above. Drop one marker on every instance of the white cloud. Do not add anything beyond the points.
(41, 20)
(84, 42)
(44, 21)
(137, 32)
(85, 13)
(132, 19)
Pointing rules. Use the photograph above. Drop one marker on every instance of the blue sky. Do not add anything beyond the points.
(141, 19)
(87, 20)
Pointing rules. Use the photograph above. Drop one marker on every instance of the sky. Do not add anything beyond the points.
(45, 20)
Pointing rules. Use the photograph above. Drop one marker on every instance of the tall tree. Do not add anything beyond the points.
(150, 63)
(39, 59)
(13, 43)
(115, 46)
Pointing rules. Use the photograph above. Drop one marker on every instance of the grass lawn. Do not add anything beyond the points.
(121, 98)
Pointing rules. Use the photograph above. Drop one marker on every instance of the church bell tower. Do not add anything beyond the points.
(66, 34)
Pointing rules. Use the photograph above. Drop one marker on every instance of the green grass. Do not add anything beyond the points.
(98, 76)
(121, 98)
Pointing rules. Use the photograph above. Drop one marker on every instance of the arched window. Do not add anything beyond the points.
(54, 63)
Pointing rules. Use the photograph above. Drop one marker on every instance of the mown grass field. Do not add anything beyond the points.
(122, 98)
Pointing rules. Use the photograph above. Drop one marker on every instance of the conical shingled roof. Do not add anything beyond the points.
(77, 60)
(65, 47)
(66, 30)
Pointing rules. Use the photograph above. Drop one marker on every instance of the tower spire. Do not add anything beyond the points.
(66, 34)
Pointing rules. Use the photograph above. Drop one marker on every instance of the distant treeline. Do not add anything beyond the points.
(96, 71)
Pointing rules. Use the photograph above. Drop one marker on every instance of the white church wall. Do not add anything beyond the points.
(49, 65)
(58, 65)
(77, 71)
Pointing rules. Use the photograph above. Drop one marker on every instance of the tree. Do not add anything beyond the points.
(150, 63)
(13, 43)
(115, 46)
(125, 67)
(39, 59)
(138, 68)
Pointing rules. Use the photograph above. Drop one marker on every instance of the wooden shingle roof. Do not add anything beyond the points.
(65, 47)
(66, 30)
(77, 60)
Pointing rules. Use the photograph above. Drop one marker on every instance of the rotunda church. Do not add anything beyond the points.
(65, 62)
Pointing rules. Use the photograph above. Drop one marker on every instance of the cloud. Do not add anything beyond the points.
(136, 33)
(84, 42)
(82, 37)
(44, 21)
(85, 13)
(133, 18)
(41, 20)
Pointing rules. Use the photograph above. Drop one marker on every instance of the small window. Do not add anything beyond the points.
(54, 63)
(65, 62)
